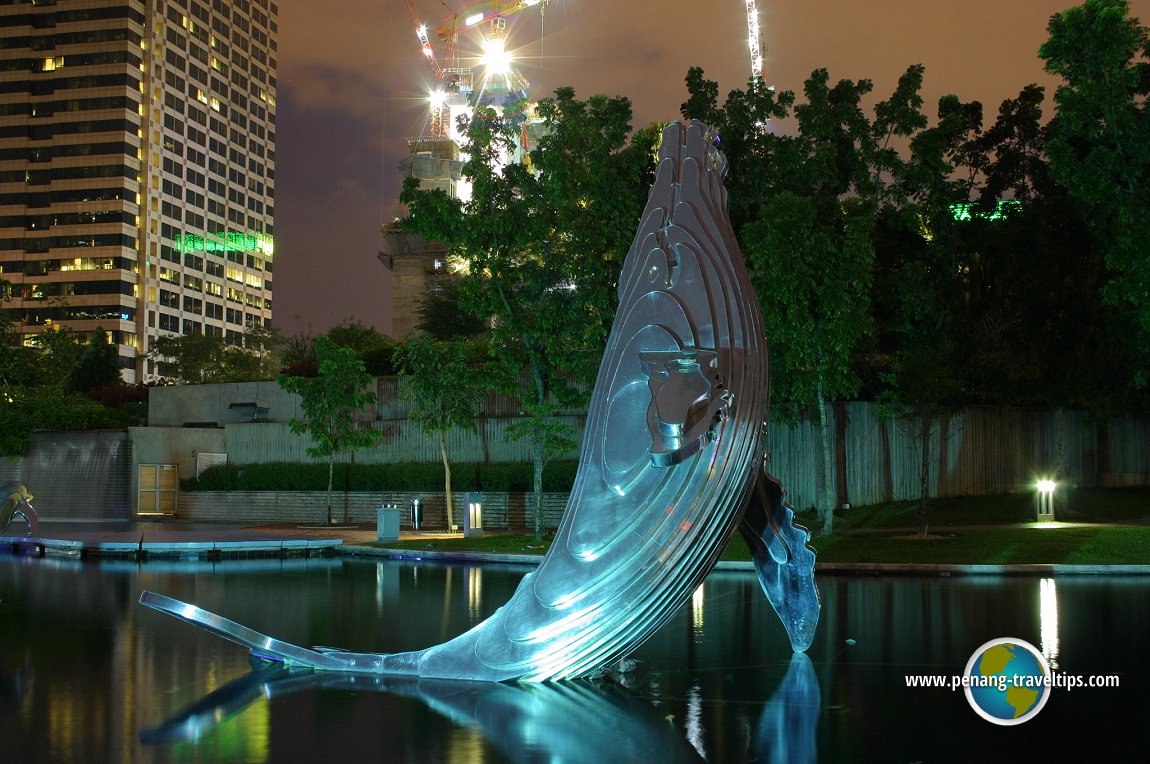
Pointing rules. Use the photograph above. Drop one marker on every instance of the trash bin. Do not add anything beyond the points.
(387, 522)
(416, 514)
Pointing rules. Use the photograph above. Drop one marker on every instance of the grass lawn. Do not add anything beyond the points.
(972, 530)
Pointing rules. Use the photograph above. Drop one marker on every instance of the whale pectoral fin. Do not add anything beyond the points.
(784, 562)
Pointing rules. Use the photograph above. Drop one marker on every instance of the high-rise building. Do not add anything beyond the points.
(137, 168)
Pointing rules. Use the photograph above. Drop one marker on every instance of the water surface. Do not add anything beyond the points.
(87, 674)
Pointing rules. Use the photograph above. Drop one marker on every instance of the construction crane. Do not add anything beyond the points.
(450, 79)
(756, 41)
(493, 11)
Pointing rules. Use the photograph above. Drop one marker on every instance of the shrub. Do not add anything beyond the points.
(403, 476)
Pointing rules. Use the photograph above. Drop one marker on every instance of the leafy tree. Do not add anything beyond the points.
(544, 245)
(299, 356)
(46, 407)
(263, 354)
(331, 402)
(813, 280)
(806, 232)
(443, 384)
(441, 316)
(99, 364)
(200, 359)
(1099, 145)
(192, 358)
(370, 345)
(51, 357)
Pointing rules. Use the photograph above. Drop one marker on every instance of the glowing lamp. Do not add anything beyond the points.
(495, 57)
(1045, 500)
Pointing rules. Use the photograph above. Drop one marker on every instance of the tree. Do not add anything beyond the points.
(1099, 145)
(806, 235)
(441, 316)
(99, 364)
(331, 402)
(813, 280)
(47, 407)
(543, 246)
(370, 345)
(200, 359)
(51, 356)
(443, 384)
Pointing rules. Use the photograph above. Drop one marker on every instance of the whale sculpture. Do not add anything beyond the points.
(672, 463)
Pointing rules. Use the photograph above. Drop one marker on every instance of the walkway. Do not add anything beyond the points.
(201, 541)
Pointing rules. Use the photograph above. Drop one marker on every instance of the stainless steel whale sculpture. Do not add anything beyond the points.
(671, 465)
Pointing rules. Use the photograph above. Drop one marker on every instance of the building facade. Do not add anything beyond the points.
(137, 168)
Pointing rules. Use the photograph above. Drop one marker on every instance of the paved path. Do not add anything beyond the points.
(174, 540)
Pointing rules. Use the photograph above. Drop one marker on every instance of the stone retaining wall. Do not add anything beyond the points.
(500, 510)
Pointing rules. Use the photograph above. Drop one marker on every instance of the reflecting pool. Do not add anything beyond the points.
(87, 674)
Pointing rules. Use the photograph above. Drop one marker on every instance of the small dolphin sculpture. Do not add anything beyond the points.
(671, 465)
(15, 501)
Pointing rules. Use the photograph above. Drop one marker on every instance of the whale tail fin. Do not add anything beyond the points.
(784, 560)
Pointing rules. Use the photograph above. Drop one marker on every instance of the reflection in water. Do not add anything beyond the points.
(474, 576)
(789, 722)
(535, 721)
(695, 718)
(1048, 618)
(697, 600)
(83, 668)
(529, 722)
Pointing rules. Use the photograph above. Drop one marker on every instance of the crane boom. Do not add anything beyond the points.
(484, 10)
(424, 41)
(755, 39)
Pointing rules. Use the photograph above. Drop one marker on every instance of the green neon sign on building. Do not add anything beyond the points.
(226, 241)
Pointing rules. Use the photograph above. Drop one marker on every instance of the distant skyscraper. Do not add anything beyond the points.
(137, 167)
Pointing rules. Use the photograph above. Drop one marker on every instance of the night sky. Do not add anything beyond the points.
(351, 82)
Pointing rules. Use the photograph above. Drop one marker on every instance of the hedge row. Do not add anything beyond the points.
(283, 476)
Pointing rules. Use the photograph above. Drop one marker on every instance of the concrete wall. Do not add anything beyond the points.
(500, 510)
(178, 405)
(76, 475)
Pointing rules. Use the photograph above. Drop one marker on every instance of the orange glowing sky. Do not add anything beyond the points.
(351, 82)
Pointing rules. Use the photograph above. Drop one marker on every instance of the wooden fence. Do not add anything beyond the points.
(977, 451)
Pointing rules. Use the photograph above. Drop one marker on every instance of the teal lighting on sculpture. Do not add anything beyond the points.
(226, 241)
(672, 465)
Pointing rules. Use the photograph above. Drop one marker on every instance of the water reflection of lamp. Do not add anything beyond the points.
(697, 600)
(474, 591)
(1048, 620)
(1045, 500)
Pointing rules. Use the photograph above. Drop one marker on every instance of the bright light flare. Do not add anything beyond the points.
(437, 98)
(496, 58)
(471, 21)
(1045, 486)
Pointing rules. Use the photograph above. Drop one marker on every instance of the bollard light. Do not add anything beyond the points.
(473, 525)
(1045, 500)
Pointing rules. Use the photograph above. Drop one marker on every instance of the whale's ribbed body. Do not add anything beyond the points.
(672, 448)
(683, 383)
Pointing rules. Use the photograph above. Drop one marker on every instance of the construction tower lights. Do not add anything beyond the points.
(755, 39)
